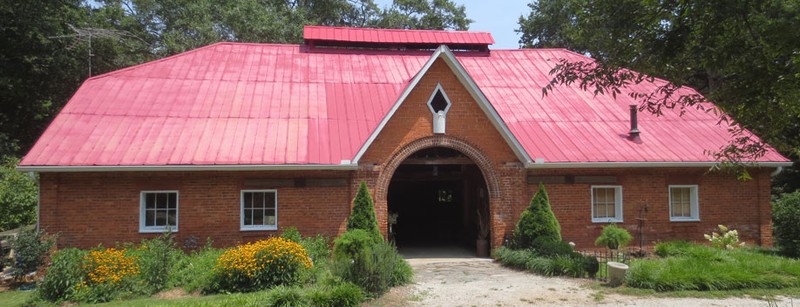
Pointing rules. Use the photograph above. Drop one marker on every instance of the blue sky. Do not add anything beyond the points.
(498, 17)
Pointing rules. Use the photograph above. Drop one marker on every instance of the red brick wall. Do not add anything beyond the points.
(87, 209)
(743, 205)
(468, 127)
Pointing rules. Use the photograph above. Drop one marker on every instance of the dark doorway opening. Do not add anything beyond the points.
(433, 201)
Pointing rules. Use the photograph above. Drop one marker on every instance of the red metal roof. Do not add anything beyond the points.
(263, 104)
(396, 36)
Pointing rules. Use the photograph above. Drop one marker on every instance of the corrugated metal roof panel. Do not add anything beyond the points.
(250, 104)
(395, 36)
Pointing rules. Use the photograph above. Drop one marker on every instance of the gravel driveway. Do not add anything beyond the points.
(482, 282)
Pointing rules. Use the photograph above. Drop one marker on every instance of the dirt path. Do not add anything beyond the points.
(481, 282)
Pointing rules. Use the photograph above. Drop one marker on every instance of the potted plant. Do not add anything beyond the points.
(482, 243)
(614, 237)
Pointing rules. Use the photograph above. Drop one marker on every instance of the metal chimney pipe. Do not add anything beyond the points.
(634, 133)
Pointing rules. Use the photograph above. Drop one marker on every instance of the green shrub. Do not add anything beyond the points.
(260, 265)
(30, 248)
(342, 295)
(372, 268)
(613, 236)
(363, 214)
(195, 272)
(402, 273)
(547, 247)
(786, 218)
(536, 221)
(285, 296)
(572, 264)
(700, 268)
(673, 248)
(291, 234)
(18, 194)
(157, 259)
(317, 247)
(591, 265)
(64, 276)
(352, 242)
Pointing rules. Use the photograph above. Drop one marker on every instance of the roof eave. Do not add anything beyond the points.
(178, 168)
(549, 165)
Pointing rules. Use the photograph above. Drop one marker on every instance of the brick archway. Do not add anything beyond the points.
(477, 156)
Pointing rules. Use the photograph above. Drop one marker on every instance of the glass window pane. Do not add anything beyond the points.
(161, 218)
(149, 200)
(269, 198)
(172, 217)
(269, 220)
(248, 217)
(258, 200)
(258, 217)
(173, 200)
(248, 200)
(149, 217)
(161, 200)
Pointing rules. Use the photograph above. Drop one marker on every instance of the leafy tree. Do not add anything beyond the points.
(425, 14)
(37, 73)
(363, 214)
(740, 54)
(537, 222)
(18, 193)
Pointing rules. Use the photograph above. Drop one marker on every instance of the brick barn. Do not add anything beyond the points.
(235, 141)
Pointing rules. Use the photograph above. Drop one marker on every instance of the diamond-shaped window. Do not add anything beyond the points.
(439, 101)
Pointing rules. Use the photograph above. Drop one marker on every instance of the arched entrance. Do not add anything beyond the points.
(441, 196)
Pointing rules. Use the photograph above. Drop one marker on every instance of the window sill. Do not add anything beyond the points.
(684, 220)
(606, 221)
(258, 228)
(158, 230)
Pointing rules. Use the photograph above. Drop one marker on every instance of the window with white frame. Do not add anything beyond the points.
(259, 210)
(683, 203)
(158, 211)
(606, 204)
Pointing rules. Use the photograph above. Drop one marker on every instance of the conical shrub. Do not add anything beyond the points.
(537, 221)
(363, 214)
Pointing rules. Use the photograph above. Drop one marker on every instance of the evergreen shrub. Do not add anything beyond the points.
(536, 221)
(363, 214)
(786, 220)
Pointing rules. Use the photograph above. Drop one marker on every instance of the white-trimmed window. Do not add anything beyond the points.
(606, 204)
(683, 203)
(158, 211)
(259, 210)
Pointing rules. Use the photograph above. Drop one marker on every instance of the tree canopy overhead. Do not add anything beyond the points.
(742, 55)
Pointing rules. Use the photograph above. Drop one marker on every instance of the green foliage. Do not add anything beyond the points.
(536, 221)
(285, 296)
(157, 259)
(64, 276)
(18, 194)
(344, 295)
(786, 218)
(352, 242)
(402, 273)
(613, 236)
(291, 234)
(696, 267)
(373, 268)
(30, 249)
(425, 14)
(573, 264)
(591, 265)
(195, 272)
(363, 214)
(547, 247)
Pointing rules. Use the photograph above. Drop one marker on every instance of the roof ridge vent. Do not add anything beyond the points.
(395, 39)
